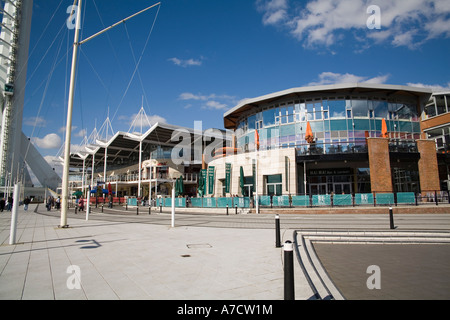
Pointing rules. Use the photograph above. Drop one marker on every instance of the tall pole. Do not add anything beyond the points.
(65, 180)
(173, 206)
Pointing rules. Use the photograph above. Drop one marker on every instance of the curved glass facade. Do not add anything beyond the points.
(338, 124)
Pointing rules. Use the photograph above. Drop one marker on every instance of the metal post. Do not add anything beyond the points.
(277, 231)
(235, 209)
(289, 292)
(15, 208)
(173, 206)
(227, 208)
(391, 219)
(150, 209)
(65, 178)
(88, 205)
(137, 210)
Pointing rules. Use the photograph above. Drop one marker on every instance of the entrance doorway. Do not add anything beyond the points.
(318, 188)
(342, 188)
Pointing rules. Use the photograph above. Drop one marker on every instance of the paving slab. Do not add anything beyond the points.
(137, 261)
(205, 257)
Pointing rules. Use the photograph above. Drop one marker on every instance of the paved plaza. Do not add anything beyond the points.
(205, 257)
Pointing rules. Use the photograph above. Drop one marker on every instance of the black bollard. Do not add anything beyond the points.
(391, 218)
(150, 209)
(289, 292)
(235, 209)
(277, 231)
(137, 210)
(160, 208)
(102, 208)
(227, 209)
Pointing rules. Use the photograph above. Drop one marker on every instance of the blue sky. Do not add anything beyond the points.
(204, 56)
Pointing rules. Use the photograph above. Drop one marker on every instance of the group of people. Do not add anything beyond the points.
(8, 204)
(53, 203)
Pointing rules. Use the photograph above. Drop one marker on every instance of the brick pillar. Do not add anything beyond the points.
(428, 166)
(380, 165)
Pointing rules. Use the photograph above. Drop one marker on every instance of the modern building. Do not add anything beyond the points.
(436, 125)
(133, 163)
(347, 153)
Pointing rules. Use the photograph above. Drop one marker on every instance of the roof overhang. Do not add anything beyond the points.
(231, 117)
(125, 145)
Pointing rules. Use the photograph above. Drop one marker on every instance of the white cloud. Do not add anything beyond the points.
(327, 22)
(39, 122)
(433, 87)
(147, 121)
(50, 141)
(185, 63)
(326, 78)
(215, 105)
(82, 133)
(275, 11)
(211, 102)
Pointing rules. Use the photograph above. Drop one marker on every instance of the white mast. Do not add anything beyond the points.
(77, 43)
(65, 178)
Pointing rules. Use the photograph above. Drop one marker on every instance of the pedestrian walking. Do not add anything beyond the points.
(58, 203)
(9, 203)
(49, 203)
(81, 203)
(26, 202)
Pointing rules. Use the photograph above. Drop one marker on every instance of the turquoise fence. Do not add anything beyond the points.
(358, 199)
(321, 200)
(342, 200)
(406, 198)
(363, 199)
(300, 201)
(280, 201)
(385, 198)
(224, 202)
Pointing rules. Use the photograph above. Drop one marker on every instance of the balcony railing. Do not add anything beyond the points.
(395, 145)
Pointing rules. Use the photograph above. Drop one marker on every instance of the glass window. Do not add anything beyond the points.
(318, 110)
(300, 110)
(349, 114)
(310, 110)
(380, 108)
(251, 122)
(440, 105)
(430, 110)
(283, 114)
(337, 108)
(274, 179)
(290, 113)
(359, 108)
(269, 117)
(404, 111)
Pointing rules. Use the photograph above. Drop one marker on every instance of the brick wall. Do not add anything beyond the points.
(380, 166)
(428, 166)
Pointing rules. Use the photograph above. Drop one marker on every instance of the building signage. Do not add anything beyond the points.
(227, 177)
(211, 180)
(330, 172)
